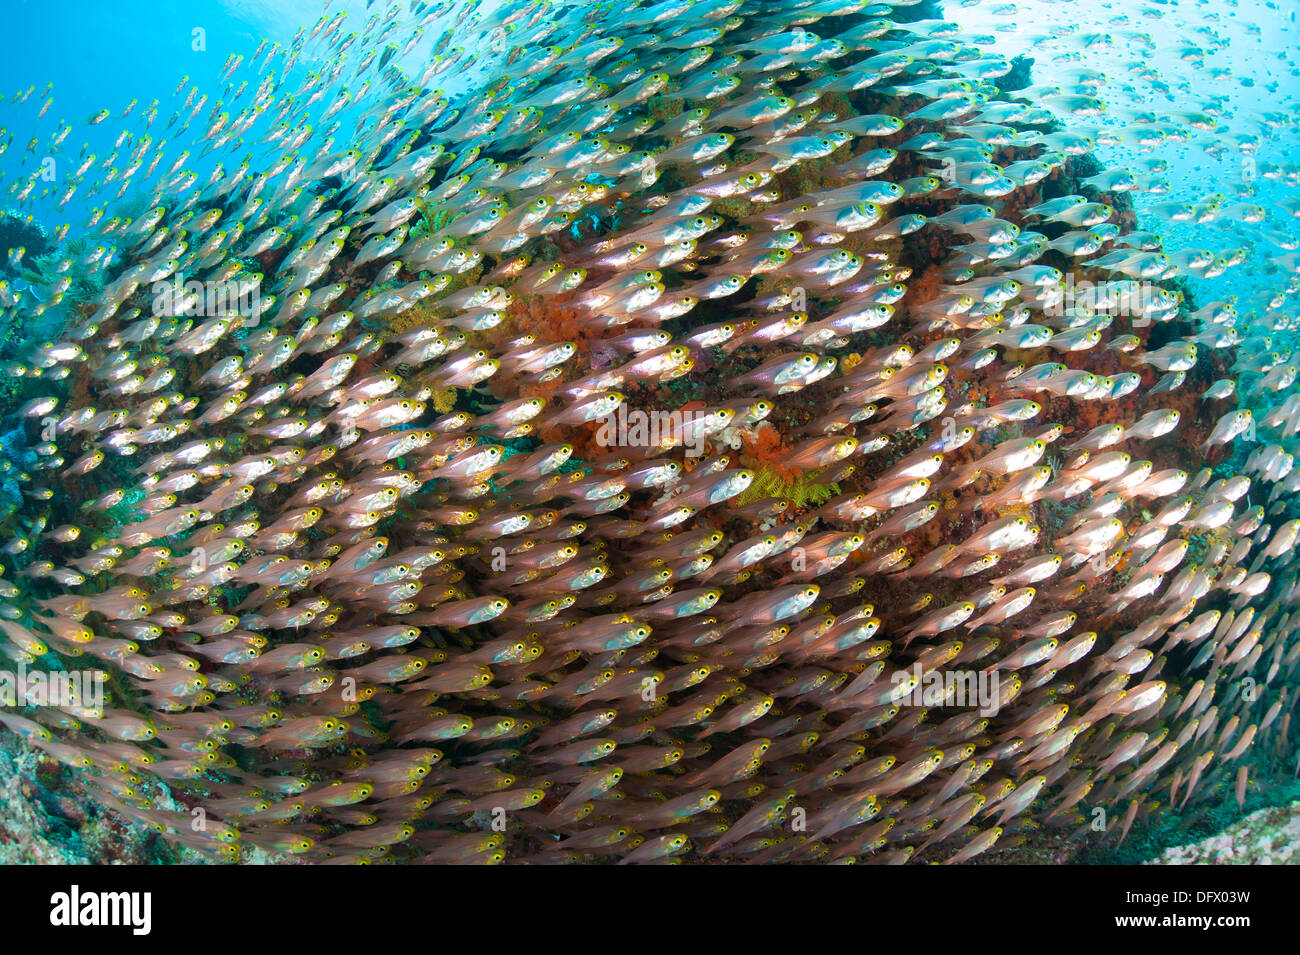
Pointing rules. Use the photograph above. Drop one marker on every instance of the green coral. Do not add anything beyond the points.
(800, 492)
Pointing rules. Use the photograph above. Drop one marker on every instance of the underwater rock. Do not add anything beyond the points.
(1266, 837)
(17, 232)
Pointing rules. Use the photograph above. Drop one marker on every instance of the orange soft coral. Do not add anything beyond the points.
(764, 448)
(550, 318)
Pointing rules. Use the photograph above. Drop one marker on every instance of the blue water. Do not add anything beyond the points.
(105, 55)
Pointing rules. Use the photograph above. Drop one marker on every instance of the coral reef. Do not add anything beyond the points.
(47, 818)
(371, 581)
(1266, 837)
(21, 232)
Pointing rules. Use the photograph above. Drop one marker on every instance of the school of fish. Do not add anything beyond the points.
(387, 568)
